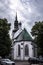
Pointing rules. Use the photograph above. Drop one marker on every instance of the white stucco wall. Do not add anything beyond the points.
(22, 56)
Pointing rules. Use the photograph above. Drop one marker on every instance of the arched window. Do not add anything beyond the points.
(26, 50)
(18, 50)
(34, 51)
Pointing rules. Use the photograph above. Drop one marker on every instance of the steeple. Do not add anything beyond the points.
(16, 16)
(15, 24)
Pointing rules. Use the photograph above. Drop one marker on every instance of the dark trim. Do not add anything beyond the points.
(23, 40)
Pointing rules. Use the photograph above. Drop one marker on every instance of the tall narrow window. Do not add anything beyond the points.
(26, 50)
(34, 51)
(18, 50)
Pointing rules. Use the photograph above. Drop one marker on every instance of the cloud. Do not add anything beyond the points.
(28, 11)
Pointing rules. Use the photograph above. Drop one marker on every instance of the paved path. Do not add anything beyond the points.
(23, 63)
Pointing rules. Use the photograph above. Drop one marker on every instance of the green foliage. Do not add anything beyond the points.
(5, 41)
(37, 32)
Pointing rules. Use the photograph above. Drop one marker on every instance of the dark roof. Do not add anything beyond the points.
(24, 36)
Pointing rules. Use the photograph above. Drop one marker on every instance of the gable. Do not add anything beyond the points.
(24, 35)
(17, 33)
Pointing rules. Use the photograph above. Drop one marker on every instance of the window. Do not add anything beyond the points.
(18, 50)
(34, 51)
(26, 50)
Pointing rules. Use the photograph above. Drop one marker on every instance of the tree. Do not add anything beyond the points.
(5, 41)
(37, 32)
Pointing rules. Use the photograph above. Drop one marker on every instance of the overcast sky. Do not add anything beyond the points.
(28, 11)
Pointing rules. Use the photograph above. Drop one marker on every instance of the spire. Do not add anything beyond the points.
(16, 16)
(16, 24)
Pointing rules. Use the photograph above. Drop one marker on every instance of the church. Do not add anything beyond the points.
(23, 45)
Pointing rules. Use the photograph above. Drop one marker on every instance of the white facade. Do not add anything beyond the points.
(22, 55)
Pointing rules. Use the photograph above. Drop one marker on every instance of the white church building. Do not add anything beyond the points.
(23, 45)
